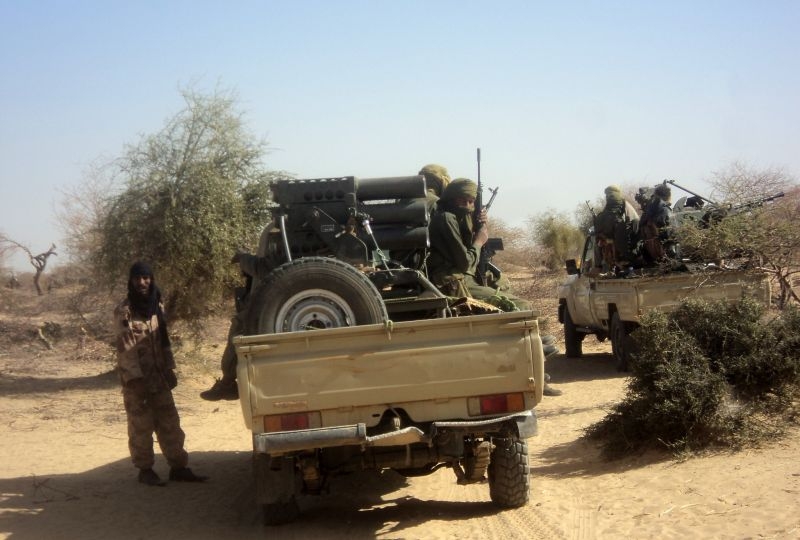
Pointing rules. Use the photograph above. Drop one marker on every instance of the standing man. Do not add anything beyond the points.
(455, 253)
(147, 372)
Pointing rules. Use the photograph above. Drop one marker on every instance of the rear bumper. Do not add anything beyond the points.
(293, 441)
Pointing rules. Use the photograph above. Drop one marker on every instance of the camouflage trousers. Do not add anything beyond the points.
(150, 413)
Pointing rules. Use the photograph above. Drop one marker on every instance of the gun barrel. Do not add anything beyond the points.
(674, 183)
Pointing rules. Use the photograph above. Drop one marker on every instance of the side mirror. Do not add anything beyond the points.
(572, 267)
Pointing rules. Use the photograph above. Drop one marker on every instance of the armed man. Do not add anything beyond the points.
(617, 227)
(655, 227)
(456, 251)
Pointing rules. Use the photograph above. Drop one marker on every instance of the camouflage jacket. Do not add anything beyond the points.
(141, 352)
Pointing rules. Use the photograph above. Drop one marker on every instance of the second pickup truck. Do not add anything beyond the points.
(611, 307)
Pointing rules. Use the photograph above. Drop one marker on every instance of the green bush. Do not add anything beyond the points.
(706, 374)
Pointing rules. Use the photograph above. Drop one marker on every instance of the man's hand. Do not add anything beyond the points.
(481, 236)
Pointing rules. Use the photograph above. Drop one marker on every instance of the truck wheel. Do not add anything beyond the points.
(275, 489)
(573, 340)
(314, 293)
(620, 342)
(509, 476)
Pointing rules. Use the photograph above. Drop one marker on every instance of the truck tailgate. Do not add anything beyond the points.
(434, 359)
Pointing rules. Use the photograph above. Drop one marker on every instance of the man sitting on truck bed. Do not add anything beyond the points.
(654, 227)
(617, 227)
(455, 251)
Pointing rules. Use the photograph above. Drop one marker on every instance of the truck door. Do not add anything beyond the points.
(580, 307)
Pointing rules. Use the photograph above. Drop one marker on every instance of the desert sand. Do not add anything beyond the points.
(65, 471)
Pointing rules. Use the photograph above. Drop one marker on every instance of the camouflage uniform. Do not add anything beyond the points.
(453, 260)
(142, 354)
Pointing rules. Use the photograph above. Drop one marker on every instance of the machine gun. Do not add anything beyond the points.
(695, 209)
(492, 245)
(716, 214)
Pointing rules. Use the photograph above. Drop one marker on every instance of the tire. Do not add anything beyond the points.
(314, 293)
(275, 489)
(509, 476)
(620, 342)
(573, 340)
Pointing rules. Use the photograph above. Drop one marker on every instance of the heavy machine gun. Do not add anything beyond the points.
(705, 212)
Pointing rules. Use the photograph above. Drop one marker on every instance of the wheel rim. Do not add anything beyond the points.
(313, 309)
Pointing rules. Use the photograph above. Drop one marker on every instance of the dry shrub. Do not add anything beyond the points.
(708, 374)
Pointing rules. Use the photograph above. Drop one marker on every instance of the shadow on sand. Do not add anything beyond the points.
(11, 385)
(108, 502)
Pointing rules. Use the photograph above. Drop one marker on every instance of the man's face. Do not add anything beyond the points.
(141, 284)
(466, 202)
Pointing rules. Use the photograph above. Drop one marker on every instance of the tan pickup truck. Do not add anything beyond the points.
(412, 396)
(351, 359)
(610, 307)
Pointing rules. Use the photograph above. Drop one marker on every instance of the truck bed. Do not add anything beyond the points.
(636, 296)
(426, 367)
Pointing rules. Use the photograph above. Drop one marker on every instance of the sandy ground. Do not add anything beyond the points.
(65, 470)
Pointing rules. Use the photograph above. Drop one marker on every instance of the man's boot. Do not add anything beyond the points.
(222, 389)
(185, 474)
(149, 477)
(550, 391)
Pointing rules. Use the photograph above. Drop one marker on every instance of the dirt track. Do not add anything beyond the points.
(65, 472)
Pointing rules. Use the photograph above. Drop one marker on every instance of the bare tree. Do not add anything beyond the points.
(82, 209)
(39, 262)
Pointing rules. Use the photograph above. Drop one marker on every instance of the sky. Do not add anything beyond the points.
(563, 98)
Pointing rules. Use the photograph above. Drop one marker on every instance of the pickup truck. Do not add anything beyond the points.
(352, 360)
(608, 306)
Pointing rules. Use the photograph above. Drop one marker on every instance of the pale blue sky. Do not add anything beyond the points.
(562, 98)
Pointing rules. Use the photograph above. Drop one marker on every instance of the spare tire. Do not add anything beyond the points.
(313, 293)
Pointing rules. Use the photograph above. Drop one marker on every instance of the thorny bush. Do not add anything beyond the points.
(708, 374)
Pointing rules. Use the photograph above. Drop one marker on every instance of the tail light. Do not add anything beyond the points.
(292, 421)
(496, 404)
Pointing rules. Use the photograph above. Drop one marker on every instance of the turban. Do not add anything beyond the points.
(436, 177)
(460, 187)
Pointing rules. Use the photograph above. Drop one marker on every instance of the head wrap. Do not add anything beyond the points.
(614, 195)
(436, 177)
(146, 305)
(663, 192)
(149, 304)
(460, 188)
(140, 268)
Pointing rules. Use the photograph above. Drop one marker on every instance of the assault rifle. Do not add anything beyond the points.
(493, 244)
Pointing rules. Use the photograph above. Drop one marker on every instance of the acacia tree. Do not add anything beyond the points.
(190, 196)
(39, 262)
